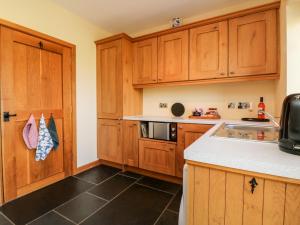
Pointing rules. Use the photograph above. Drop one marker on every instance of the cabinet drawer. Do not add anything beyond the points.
(157, 156)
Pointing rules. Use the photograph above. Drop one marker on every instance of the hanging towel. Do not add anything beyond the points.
(53, 132)
(30, 133)
(45, 143)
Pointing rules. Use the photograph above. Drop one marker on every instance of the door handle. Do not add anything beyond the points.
(6, 116)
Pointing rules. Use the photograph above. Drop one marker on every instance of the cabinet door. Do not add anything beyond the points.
(109, 80)
(109, 140)
(292, 205)
(173, 57)
(131, 143)
(187, 134)
(157, 156)
(209, 51)
(253, 44)
(145, 61)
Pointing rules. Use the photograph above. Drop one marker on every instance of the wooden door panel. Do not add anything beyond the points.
(292, 205)
(145, 61)
(109, 140)
(253, 44)
(33, 84)
(274, 200)
(234, 199)
(209, 51)
(131, 143)
(157, 156)
(173, 57)
(253, 202)
(110, 80)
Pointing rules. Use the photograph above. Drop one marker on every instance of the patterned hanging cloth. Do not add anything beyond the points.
(45, 143)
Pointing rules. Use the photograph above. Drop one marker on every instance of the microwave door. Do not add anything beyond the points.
(161, 131)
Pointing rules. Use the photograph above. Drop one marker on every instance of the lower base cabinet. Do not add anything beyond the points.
(157, 156)
(131, 143)
(220, 197)
(110, 140)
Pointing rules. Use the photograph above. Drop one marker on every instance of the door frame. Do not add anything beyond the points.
(72, 164)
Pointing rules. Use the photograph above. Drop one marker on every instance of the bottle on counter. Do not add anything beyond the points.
(261, 109)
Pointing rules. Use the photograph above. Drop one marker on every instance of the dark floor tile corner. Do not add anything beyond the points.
(168, 218)
(80, 207)
(112, 187)
(98, 174)
(159, 184)
(4, 221)
(175, 204)
(51, 218)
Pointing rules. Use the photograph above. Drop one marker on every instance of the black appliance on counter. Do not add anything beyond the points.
(289, 134)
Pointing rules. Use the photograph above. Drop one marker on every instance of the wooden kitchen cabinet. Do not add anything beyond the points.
(253, 44)
(157, 156)
(224, 197)
(187, 134)
(209, 51)
(110, 140)
(145, 61)
(173, 57)
(131, 143)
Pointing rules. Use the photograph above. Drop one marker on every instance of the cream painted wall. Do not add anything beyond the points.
(217, 95)
(293, 47)
(49, 18)
(213, 95)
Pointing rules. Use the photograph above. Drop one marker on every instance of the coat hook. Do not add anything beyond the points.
(41, 45)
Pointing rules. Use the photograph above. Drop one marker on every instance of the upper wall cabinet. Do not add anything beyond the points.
(253, 44)
(209, 51)
(145, 61)
(173, 57)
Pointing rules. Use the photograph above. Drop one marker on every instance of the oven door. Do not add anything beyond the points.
(161, 131)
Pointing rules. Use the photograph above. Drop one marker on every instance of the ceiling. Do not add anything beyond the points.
(131, 16)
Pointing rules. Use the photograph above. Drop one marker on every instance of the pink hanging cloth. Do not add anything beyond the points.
(30, 133)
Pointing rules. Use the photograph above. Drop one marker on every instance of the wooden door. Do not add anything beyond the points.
(131, 143)
(109, 80)
(35, 79)
(173, 57)
(292, 205)
(145, 61)
(110, 140)
(157, 156)
(187, 134)
(253, 44)
(209, 51)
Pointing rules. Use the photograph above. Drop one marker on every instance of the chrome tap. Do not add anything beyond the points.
(270, 117)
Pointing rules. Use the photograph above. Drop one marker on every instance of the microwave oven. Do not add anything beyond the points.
(162, 131)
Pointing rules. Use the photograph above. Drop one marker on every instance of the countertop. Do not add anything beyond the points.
(254, 156)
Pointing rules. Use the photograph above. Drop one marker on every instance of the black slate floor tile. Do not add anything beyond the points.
(80, 207)
(138, 205)
(110, 188)
(98, 174)
(4, 221)
(51, 218)
(131, 174)
(175, 204)
(168, 218)
(29, 207)
(159, 184)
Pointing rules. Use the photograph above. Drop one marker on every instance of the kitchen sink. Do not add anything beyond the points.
(265, 133)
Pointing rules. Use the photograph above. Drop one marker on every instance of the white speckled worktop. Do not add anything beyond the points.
(260, 157)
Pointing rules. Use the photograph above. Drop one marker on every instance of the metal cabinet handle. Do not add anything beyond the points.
(6, 116)
(253, 183)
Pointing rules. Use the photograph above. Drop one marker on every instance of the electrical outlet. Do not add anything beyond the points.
(244, 105)
(163, 105)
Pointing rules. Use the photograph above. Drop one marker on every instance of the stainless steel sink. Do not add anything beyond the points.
(266, 133)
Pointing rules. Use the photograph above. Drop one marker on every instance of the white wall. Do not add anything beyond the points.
(293, 46)
(49, 18)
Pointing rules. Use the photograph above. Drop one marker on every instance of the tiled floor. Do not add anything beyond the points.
(100, 196)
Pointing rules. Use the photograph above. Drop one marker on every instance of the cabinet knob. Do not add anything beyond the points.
(222, 74)
(232, 72)
(253, 183)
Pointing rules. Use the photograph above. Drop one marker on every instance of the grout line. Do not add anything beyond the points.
(172, 211)
(166, 208)
(97, 196)
(64, 216)
(8, 219)
(110, 201)
(156, 189)
(120, 173)
(78, 178)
